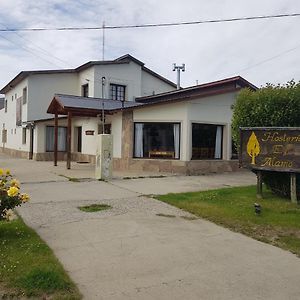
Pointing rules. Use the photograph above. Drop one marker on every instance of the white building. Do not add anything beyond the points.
(154, 126)
(27, 98)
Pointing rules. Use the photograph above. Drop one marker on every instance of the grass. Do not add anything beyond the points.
(94, 207)
(28, 267)
(278, 224)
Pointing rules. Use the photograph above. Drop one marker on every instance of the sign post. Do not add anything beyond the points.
(271, 149)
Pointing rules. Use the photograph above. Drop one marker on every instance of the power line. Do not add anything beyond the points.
(29, 50)
(40, 49)
(269, 59)
(103, 27)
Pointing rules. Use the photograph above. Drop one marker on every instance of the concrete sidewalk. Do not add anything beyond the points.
(130, 252)
(135, 251)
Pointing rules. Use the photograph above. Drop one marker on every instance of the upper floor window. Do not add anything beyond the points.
(5, 105)
(24, 95)
(85, 90)
(117, 92)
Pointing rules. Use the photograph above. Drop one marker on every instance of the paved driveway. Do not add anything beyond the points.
(129, 252)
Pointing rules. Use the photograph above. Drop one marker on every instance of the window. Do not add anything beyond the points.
(24, 95)
(107, 128)
(5, 106)
(117, 92)
(85, 90)
(61, 142)
(19, 112)
(24, 130)
(206, 141)
(157, 140)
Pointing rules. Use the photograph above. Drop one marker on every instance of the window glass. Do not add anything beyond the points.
(117, 92)
(206, 141)
(157, 140)
(24, 95)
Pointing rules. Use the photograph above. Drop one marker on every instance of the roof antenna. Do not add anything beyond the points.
(178, 69)
(103, 39)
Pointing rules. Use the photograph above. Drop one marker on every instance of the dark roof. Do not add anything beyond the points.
(62, 104)
(82, 106)
(202, 90)
(125, 59)
(1, 103)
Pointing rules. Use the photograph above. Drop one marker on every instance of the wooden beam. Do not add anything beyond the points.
(31, 129)
(293, 188)
(69, 140)
(55, 138)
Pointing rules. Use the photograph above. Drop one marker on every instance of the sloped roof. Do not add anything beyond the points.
(125, 59)
(62, 104)
(206, 89)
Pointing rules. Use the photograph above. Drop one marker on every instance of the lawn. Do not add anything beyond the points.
(28, 267)
(278, 223)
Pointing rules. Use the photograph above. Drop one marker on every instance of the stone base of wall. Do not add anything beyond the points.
(195, 167)
(14, 152)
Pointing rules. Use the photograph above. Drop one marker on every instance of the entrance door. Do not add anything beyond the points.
(79, 139)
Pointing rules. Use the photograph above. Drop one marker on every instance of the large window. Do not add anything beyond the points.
(157, 140)
(61, 142)
(207, 141)
(117, 92)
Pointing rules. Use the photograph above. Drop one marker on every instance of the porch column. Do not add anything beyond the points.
(31, 128)
(55, 138)
(69, 140)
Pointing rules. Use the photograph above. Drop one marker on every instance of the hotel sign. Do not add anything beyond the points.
(273, 149)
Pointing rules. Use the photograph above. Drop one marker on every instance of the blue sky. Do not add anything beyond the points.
(210, 51)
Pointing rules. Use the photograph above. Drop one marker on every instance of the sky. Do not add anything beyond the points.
(262, 51)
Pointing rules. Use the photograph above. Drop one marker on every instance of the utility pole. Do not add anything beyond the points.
(178, 69)
(103, 39)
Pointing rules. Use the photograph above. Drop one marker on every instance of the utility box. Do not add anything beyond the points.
(104, 155)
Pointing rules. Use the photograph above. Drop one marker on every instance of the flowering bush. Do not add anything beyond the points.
(10, 195)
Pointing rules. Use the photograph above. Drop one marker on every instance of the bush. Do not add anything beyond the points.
(10, 195)
(270, 106)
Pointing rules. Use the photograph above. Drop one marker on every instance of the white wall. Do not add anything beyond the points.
(42, 88)
(8, 119)
(212, 110)
(152, 85)
(209, 110)
(123, 74)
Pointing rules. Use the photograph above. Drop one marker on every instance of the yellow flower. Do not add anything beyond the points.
(1, 172)
(15, 183)
(13, 191)
(25, 197)
(7, 172)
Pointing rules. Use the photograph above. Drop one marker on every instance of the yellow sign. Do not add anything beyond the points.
(253, 148)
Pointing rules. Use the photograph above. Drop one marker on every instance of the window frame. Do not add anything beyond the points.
(222, 140)
(85, 89)
(116, 86)
(24, 96)
(49, 151)
(149, 123)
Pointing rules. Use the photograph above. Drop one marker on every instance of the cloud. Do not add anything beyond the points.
(210, 51)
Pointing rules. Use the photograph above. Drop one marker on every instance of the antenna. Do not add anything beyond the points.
(178, 69)
(103, 39)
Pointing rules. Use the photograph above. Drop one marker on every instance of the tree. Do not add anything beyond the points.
(269, 106)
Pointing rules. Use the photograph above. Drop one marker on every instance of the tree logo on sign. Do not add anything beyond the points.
(253, 148)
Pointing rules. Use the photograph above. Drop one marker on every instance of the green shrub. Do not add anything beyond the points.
(270, 106)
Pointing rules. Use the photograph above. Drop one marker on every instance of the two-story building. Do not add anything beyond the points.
(26, 128)
(155, 127)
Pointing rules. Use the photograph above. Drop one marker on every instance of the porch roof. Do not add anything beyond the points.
(83, 106)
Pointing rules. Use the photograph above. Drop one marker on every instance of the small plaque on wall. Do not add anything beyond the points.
(89, 132)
